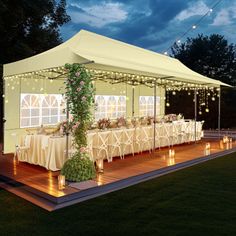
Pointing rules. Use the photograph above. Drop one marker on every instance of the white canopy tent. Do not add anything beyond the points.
(105, 57)
(110, 55)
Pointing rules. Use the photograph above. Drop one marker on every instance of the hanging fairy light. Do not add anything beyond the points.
(207, 103)
(167, 98)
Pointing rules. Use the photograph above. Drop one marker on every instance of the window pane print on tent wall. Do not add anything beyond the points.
(110, 106)
(37, 109)
(146, 105)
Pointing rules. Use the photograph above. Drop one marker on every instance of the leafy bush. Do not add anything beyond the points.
(79, 168)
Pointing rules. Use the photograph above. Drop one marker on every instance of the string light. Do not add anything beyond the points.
(194, 26)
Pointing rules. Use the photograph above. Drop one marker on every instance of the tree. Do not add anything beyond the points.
(213, 57)
(27, 28)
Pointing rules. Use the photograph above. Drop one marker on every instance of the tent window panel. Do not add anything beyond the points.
(45, 120)
(146, 105)
(45, 111)
(35, 121)
(25, 112)
(25, 122)
(110, 107)
(54, 111)
(34, 112)
(37, 109)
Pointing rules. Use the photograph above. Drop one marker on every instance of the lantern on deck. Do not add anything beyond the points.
(61, 182)
(207, 149)
(99, 163)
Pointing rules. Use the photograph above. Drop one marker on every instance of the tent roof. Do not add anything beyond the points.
(111, 55)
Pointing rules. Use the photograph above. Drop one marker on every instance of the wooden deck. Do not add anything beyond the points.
(43, 183)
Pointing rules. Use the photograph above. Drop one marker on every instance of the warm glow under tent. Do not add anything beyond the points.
(111, 55)
(108, 58)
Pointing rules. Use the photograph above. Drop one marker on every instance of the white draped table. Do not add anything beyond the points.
(49, 151)
(46, 151)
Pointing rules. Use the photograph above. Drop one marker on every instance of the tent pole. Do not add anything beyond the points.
(155, 113)
(132, 101)
(195, 115)
(219, 112)
(67, 132)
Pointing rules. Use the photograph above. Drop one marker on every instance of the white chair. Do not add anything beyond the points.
(199, 129)
(189, 131)
(90, 138)
(138, 139)
(179, 131)
(21, 151)
(162, 135)
(128, 141)
(115, 143)
(145, 138)
(101, 144)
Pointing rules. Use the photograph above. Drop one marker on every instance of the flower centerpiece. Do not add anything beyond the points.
(121, 122)
(170, 117)
(80, 98)
(180, 117)
(104, 123)
(150, 120)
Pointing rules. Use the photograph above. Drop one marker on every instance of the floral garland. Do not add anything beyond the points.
(80, 99)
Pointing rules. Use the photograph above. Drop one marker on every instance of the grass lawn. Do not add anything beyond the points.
(200, 200)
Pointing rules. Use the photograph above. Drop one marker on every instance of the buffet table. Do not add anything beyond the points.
(49, 151)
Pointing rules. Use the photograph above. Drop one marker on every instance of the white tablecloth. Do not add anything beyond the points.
(46, 151)
(49, 151)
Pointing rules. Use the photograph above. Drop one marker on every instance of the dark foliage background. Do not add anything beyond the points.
(213, 57)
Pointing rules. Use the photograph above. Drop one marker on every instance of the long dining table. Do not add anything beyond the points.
(49, 150)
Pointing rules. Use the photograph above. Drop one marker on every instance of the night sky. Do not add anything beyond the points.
(151, 24)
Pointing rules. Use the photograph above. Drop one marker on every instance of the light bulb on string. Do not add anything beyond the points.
(207, 110)
(213, 99)
(167, 104)
(173, 93)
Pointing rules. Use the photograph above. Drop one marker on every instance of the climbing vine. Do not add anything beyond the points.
(80, 99)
